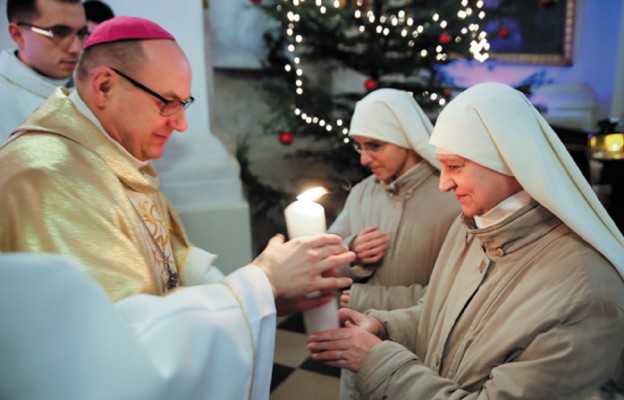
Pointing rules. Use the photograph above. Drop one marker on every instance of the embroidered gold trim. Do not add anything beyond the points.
(251, 338)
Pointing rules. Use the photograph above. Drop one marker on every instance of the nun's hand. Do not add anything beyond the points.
(369, 245)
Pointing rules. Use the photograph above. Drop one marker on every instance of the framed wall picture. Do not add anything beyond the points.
(531, 31)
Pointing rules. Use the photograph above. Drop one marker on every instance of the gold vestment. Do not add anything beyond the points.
(63, 190)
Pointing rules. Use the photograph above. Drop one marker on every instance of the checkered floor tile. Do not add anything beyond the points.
(295, 375)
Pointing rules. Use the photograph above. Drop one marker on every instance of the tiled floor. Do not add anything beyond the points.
(295, 376)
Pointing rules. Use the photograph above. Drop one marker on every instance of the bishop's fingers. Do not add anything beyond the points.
(322, 239)
(334, 250)
(332, 284)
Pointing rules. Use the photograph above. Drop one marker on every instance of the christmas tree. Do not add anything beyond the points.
(393, 43)
(390, 43)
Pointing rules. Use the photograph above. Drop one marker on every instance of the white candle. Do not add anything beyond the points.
(305, 217)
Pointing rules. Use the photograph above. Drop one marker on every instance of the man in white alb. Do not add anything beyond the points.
(48, 35)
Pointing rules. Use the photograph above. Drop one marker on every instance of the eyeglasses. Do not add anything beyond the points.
(169, 107)
(369, 147)
(58, 33)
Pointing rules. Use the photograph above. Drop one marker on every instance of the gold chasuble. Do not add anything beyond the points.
(66, 188)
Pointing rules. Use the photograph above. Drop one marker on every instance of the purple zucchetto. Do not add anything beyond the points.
(126, 28)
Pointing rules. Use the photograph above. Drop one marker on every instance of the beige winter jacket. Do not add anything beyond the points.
(524, 309)
(416, 216)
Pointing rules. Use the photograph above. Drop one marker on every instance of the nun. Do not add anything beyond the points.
(526, 300)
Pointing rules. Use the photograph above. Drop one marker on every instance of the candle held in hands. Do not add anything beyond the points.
(305, 217)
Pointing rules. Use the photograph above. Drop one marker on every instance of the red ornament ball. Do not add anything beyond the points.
(445, 38)
(371, 84)
(255, 1)
(503, 32)
(286, 138)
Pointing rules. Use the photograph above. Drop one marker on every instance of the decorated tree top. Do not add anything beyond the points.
(393, 43)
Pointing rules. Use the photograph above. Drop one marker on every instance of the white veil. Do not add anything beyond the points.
(496, 126)
(393, 116)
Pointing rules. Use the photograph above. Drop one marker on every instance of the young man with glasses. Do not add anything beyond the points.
(77, 181)
(49, 36)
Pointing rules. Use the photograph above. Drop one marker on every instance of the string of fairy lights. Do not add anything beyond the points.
(478, 46)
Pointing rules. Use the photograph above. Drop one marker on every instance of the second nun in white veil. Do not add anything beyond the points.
(396, 219)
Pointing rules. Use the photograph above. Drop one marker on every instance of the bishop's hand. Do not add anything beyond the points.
(304, 265)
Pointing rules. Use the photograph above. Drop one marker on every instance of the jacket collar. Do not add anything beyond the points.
(520, 229)
(407, 183)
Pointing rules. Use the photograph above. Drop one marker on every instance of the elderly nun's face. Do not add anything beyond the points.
(477, 188)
